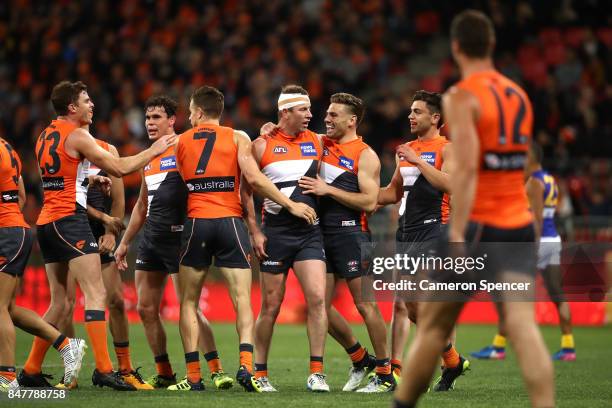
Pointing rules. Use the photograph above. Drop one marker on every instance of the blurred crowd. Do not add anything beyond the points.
(379, 50)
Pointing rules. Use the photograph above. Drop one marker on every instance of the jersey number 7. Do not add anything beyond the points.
(210, 138)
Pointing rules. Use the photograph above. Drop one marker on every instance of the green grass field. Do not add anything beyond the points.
(585, 383)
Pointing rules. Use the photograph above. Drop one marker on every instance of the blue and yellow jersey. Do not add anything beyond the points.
(551, 198)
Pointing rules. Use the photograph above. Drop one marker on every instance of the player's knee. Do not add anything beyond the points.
(316, 304)
(365, 309)
(270, 307)
(69, 305)
(115, 302)
(147, 312)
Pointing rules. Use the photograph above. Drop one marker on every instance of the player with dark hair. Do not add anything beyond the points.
(490, 120)
(211, 159)
(64, 235)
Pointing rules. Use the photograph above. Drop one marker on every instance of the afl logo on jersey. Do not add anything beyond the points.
(325, 152)
(167, 163)
(308, 149)
(429, 157)
(279, 150)
(347, 163)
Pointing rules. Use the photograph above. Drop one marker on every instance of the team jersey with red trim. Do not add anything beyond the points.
(62, 176)
(422, 204)
(207, 159)
(504, 130)
(167, 194)
(10, 171)
(340, 169)
(96, 197)
(285, 160)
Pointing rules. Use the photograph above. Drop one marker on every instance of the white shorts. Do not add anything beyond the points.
(549, 252)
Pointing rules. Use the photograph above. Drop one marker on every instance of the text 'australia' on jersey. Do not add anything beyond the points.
(285, 160)
(167, 194)
(10, 171)
(551, 199)
(422, 204)
(207, 159)
(339, 168)
(504, 129)
(62, 176)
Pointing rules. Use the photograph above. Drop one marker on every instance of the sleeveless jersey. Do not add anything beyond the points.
(551, 198)
(95, 197)
(422, 204)
(62, 175)
(285, 160)
(10, 171)
(504, 130)
(339, 168)
(167, 194)
(207, 159)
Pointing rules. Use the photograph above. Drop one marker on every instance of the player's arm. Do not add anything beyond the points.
(258, 238)
(439, 179)
(394, 191)
(369, 183)
(81, 141)
(460, 109)
(137, 220)
(21, 194)
(107, 242)
(262, 185)
(535, 194)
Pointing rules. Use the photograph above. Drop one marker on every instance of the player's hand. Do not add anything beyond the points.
(406, 153)
(163, 143)
(106, 243)
(303, 211)
(113, 225)
(268, 128)
(121, 255)
(101, 183)
(259, 240)
(316, 186)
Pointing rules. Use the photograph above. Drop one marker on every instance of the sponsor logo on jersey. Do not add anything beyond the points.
(10, 196)
(53, 183)
(80, 244)
(272, 263)
(280, 150)
(308, 149)
(167, 163)
(349, 223)
(176, 228)
(429, 157)
(346, 163)
(211, 184)
(139, 261)
(352, 266)
(147, 167)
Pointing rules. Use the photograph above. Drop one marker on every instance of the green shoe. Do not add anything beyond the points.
(160, 381)
(221, 380)
(186, 385)
(446, 381)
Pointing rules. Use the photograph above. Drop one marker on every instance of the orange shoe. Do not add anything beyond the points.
(136, 380)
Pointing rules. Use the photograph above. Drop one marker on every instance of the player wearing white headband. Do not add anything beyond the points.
(284, 156)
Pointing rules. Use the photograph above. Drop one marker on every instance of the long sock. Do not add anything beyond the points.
(60, 342)
(261, 370)
(567, 342)
(246, 356)
(316, 364)
(357, 353)
(8, 372)
(192, 359)
(383, 367)
(499, 342)
(162, 365)
(213, 361)
(33, 364)
(396, 365)
(450, 356)
(95, 324)
(122, 350)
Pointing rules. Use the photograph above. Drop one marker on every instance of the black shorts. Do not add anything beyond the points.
(97, 229)
(15, 247)
(66, 238)
(159, 252)
(284, 247)
(348, 255)
(226, 239)
(422, 240)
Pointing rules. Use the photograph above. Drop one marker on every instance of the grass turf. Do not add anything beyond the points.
(584, 383)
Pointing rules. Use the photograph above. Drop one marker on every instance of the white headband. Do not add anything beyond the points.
(286, 101)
